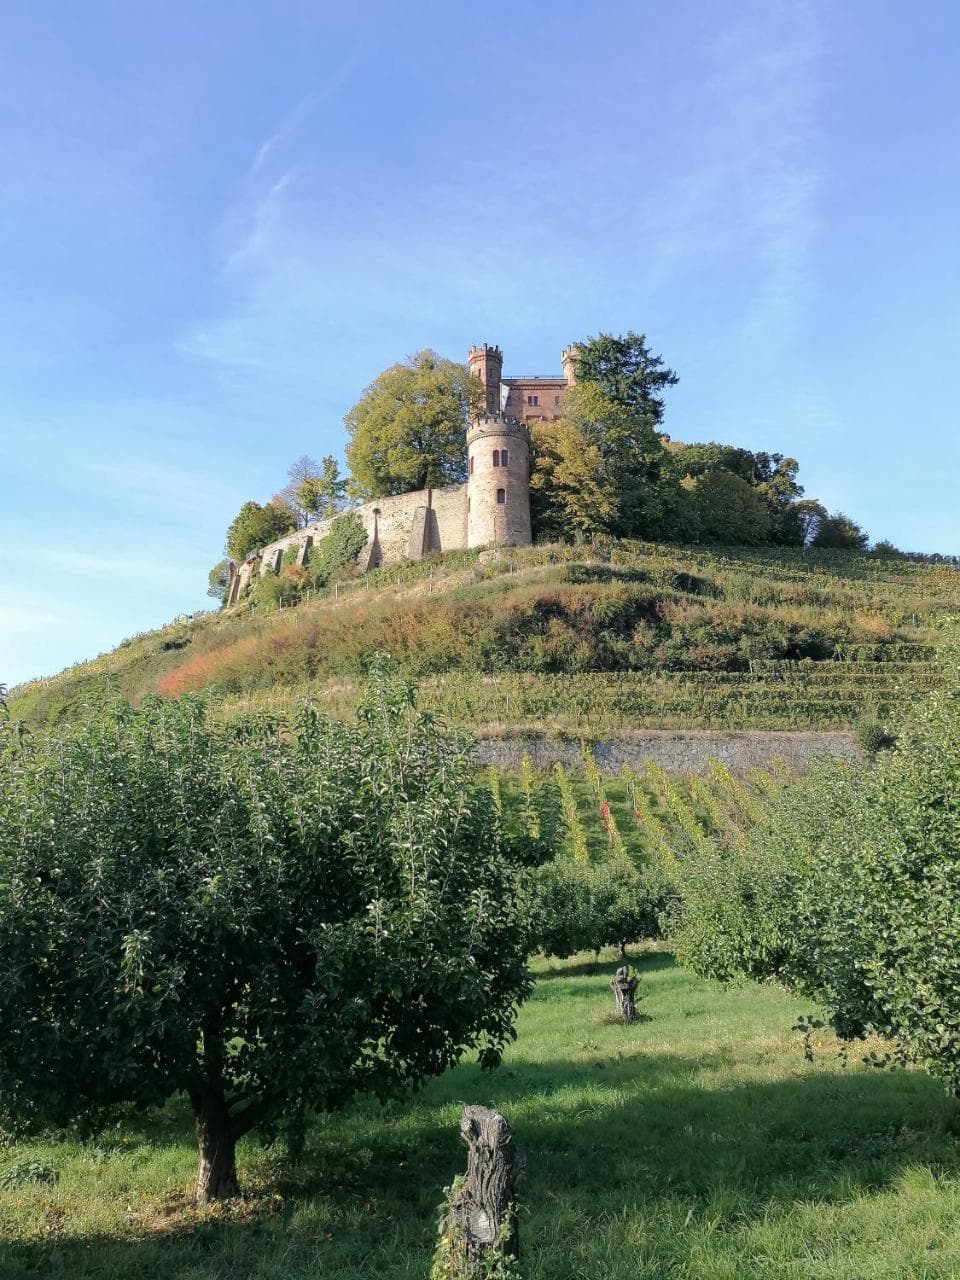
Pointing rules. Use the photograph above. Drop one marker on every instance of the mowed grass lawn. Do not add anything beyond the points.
(698, 1143)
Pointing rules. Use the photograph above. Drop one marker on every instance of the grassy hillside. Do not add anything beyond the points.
(696, 1144)
(577, 637)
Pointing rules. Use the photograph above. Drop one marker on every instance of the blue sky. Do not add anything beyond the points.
(219, 221)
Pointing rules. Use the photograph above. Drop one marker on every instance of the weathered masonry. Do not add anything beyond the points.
(491, 509)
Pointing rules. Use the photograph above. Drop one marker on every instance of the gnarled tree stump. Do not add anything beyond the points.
(482, 1220)
(624, 990)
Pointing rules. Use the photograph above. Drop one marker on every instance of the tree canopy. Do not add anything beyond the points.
(839, 532)
(218, 580)
(408, 430)
(626, 372)
(569, 492)
(846, 891)
(324, 494)
(257, 526)
(728, 509)
(266, 917)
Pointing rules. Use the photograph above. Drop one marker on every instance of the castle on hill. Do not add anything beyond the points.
(492, 508)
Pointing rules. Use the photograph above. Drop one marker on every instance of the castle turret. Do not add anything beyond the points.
(486, 363)
(498, 482)
(569, 361)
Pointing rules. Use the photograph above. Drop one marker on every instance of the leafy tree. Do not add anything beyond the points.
(218, 580)
(804, 519)
(771, 475)
(266, 917)
(324, 494)
(631, 455)
(408, 431)
(839, 532)
(569, 492)
(256, 526)
(626, 372)
(885, 550)
(300, 473)
(577, 906)
(847, 892)
(729, 510)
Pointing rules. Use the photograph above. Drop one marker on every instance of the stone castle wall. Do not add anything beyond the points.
(405, 527)
(492, 508)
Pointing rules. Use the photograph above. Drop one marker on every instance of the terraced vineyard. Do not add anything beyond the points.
(774, 695)
(575, 639)
(642, 813)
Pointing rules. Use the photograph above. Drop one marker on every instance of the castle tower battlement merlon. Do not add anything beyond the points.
(498, 482)
(568, 358)
(486, 363)
(496, 424)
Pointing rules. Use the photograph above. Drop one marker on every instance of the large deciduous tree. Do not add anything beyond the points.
(256, 526)
(631, 457)
(728, 509)
(839, 532)
(268, 918)
(569, 494)
(408, 430)
(626, 372)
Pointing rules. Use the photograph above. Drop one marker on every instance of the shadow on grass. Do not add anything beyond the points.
(643, 961)
(615, 1131)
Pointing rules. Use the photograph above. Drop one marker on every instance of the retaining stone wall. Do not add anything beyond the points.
(677, 751)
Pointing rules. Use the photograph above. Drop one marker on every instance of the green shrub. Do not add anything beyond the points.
(872, 735)
(340, 547)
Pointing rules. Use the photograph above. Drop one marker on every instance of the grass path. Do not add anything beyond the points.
(697, 1144)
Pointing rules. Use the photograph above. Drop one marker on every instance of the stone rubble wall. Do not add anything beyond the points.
(675, 750)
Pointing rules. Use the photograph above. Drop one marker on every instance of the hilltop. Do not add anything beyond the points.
(573, 637)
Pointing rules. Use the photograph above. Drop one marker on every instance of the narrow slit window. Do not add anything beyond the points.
(501, 497)
(471, 466)
(503, 457)
(496, 457)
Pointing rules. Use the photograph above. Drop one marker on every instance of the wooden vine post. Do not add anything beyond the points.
(624, 990)
(478, 1234)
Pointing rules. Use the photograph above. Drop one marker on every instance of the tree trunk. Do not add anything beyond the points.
(482, 1223)
(216, 1149)
(624, 994)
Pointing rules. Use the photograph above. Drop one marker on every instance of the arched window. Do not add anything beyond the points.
(503, 457)
(501, 497)
(471, 466)
(496, 457)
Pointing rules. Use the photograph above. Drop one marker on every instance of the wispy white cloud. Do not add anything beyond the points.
(300, 114)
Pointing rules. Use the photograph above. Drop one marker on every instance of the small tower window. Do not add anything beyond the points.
(471, 466)
(503, 457)
(501, 497)
(496, 457)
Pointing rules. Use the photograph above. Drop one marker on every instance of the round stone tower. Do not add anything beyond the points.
(486, 363)
(498, 482)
